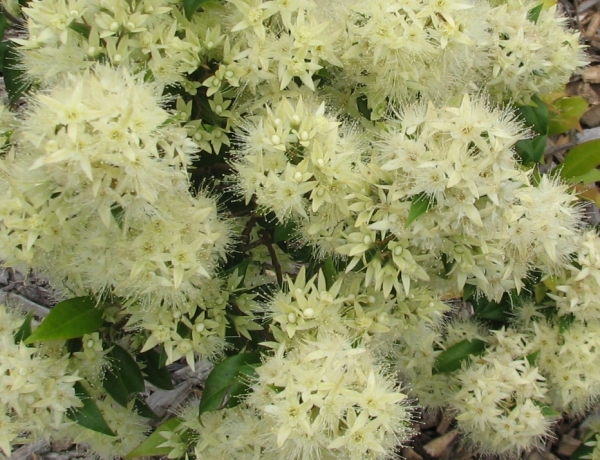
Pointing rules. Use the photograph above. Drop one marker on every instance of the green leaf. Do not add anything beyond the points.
(69, 319)
(420, 205)
(241, 268)
(14, 76)
(468, 291)
(162, 357)
(149, 448)
(191, 6)
(548, 411)
(283, 232)
(240, 386)
(330, 272)
(534, 13)
(535, 116)
(4, 46)
(25, 329)
(493, 311)
(362, 103)
(532, 357)
(221, 379)
(81, 29)
(451, 359)
(589, 177)
(564, 323)
(581, 159)
(157, 375)
(540, 292)
(4, 24)
(581, 452)
(569, 112)
(143, 409)
(123, 378)
(88, 416)
(117, 213)
(531, 151)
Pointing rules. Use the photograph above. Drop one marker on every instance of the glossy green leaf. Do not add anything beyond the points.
(534, 13)
(468, 292)
(531, 151)
(329, 271)
(535, 115)
(569, 112)
(548, 411)
(581, 159)
(420, 205)
(191, 6)
(565, 322)
(240, 386)
(221, 379)
(493, 311)
(124, 377)
(143, 409)
(4, 46)
(589, 177)
(362, 104)
(69, 319)
(451, 359)
(540, 292)
(25, 329)
(4, 24)
(283, 232)
(157, 375)
(581, 452)
(532, 357)
(149, 448)
(81, 29)
(88, 416)
(14, 77)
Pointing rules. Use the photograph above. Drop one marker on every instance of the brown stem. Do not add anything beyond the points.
(265, 239)
(276, 264)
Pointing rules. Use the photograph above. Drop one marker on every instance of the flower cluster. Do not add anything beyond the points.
(71, 35)
(483, 217)
(317, 399)
(106, 182)
(37, 387)
(97, 197)
(500, 401)
(579, 293)
(379, 135)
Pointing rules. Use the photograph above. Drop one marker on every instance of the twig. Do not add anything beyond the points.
(41, 446)
(248, 229)
(588, 5)
(265, 239)
(551, 151)
(15, 300)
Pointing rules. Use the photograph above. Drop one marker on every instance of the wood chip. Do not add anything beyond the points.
(438, 446)
(592, 27)
(445, 423)
(591, 74)
(568, 445)
(591, 118)
(410, 454)
(60, 445)
(15, 300)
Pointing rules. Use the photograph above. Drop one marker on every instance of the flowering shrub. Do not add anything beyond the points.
(298, 191)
